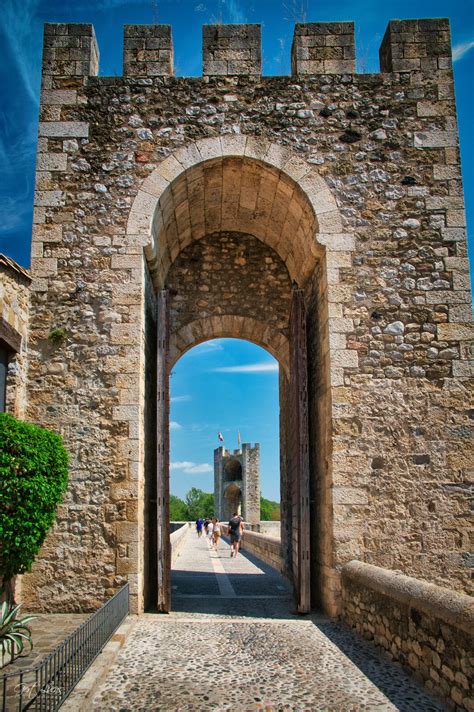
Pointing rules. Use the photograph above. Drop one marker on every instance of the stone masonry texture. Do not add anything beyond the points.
(350, 186)
(14, 314)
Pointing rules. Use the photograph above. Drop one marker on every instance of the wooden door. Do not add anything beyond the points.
(163, 454)
(298, 452)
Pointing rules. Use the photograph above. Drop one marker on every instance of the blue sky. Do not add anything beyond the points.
(227, 386)
(21, 23)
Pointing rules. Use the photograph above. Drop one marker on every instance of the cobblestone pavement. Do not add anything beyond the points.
(210, 655)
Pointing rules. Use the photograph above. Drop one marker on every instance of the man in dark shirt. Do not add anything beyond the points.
(236, 527)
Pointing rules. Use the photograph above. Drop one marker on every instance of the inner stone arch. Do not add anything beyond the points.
(232, 500)
(232, 470)
(230, 326)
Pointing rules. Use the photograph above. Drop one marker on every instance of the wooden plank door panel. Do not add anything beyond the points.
(162, 454)
(299, 451)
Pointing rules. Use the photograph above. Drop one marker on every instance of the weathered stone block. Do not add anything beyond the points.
(231, 50)
(69, 50)
(51, 162)
(332, 48)
(410, 39)
(64, 129)
(148, 51)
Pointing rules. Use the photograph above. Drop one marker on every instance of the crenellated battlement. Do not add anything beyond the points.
(235, 50)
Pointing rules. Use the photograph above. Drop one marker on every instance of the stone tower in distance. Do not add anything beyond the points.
(237, 482)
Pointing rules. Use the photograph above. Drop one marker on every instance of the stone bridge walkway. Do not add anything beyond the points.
(233, 643)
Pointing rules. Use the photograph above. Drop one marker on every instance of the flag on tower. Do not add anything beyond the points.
(238, 438)
(221, 437)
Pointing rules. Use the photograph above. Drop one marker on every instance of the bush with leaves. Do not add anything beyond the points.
(33, 479)
(178, 509)
(199, 504)
(269, 510)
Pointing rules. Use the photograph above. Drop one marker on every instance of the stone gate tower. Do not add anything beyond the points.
(237, 482)
(318, 215)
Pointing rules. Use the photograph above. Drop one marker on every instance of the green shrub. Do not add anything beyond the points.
(33, 478)
(178, 509)
(57, 335)
(269, 510)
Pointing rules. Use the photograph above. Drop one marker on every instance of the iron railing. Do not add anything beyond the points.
(45, 687)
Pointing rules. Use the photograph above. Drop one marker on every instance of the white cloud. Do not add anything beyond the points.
(235, 13)
(21, 24)
(462, 49)
(175, 426)
(191, 468)
(200, 8)
(267, 367)
(206, 347)
(180, 399)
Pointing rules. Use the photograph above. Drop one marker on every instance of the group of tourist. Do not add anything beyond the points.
(213, 531)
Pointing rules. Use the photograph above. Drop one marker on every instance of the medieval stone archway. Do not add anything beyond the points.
(117, 206)
(231, 228)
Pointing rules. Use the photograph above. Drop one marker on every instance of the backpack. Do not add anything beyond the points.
(234, 523)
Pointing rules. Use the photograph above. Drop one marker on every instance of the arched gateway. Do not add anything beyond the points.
(318, 216)
(230, 229)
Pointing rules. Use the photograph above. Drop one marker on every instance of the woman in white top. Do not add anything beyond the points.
(216, 532)
(210, 528)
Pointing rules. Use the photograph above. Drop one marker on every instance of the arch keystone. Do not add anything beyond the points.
(233, 144)
(209, 148)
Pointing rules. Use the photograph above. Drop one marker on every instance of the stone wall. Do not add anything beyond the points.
(269, 528)
(427, 628)
(263, 546)
(14, 317)
(354, 181)
(178, 540)
(229, 273)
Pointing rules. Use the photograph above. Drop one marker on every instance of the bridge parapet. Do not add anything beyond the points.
(429, 629)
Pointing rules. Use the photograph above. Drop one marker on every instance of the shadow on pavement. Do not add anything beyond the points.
(390, 678)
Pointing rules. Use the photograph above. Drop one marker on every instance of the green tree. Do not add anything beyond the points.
(269, 510)
(33, 479)
(178, 509)
(199, 503)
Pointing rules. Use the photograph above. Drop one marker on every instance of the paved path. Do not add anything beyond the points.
(210, 582)
(233, 643)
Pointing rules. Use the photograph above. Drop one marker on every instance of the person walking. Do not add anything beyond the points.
(210, 529)
(199, 524)
(216, 533)
(236, 527)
